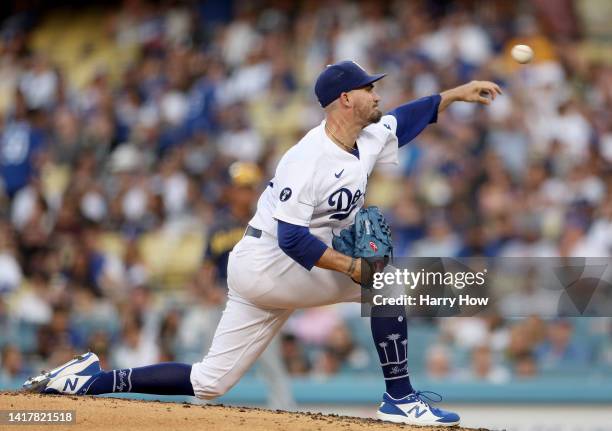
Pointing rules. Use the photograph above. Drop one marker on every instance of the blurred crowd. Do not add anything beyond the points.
(119, 128)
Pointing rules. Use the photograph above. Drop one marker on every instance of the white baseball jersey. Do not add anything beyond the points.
(319, 185)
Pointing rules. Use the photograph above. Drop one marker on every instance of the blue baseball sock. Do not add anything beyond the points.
(169, 378)
(390, 336)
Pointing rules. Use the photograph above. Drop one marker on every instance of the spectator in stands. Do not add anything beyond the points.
(327, 363)
(523, 338)
(138, 345)
(10, 270)
(560, 349)
(13, 367)
(168, 334)
(525, 366)
(530, 297)
(99, 341)
(21, 143)
(438, 362)
(340, 341)
(485, 367)
(439, 240)
(296, 361)
(200, 319)
(239, 198)
(39, 83)
(58, 332)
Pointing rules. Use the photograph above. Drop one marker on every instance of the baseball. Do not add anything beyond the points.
(522, 53)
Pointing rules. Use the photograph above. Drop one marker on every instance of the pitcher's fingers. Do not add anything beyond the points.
(493, 87)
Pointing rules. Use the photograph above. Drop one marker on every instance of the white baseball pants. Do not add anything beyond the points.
(265, 286)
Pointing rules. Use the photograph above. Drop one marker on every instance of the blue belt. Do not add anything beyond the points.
(251, 231)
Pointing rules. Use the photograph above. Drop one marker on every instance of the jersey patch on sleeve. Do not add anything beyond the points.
(285, 194)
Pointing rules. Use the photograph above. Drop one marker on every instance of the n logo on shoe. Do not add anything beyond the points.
(418, 413)
(73, 386)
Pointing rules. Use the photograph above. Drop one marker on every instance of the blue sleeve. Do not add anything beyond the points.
(413, 117)
(299, 244)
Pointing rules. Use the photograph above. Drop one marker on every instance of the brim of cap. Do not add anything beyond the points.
(371, 79)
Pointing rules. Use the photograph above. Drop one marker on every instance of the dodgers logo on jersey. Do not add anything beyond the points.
(343, 201)
(285, 194)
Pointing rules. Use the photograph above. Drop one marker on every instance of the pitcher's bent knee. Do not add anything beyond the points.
(207, 387)
(210, 392)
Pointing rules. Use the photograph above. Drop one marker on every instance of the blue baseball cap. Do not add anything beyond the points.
(342, 77)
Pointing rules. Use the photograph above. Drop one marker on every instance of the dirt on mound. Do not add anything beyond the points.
(95, 413)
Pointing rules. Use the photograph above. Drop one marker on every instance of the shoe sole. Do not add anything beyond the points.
(406, 420)
(38, 383)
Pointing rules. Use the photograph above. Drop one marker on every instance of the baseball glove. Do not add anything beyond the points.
(368, 238)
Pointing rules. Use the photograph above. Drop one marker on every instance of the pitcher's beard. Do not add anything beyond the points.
(375, 117)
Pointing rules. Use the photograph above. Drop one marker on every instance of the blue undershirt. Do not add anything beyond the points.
(414, 116)
(299, 244)
(297, 241)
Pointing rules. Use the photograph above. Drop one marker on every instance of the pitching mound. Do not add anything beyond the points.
(93, 413)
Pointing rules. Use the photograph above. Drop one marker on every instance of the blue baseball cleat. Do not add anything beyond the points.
(414, 410)
(73, 377)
